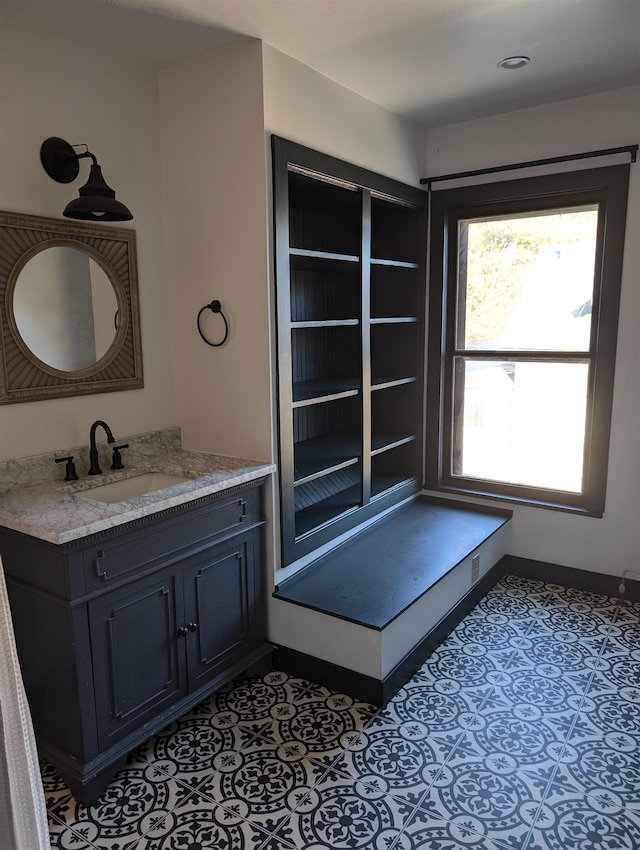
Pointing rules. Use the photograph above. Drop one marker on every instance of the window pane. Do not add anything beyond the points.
(526, 282)
(520, 423)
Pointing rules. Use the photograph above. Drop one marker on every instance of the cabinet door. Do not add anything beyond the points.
(138, 655)
(222, 606)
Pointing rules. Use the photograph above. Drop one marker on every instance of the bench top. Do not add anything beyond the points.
(374, 577)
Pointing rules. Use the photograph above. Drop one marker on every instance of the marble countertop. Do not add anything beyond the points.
(60, 512)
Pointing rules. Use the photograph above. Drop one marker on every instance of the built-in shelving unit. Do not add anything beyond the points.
(349, 248)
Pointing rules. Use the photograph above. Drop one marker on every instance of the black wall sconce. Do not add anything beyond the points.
(97, 201)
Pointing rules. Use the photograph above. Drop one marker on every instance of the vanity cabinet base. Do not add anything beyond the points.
(120, 633)
(88, 782)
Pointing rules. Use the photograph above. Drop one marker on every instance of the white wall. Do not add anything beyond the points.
(55, 85)
(214, 187)
(305, 107)
(612, 543)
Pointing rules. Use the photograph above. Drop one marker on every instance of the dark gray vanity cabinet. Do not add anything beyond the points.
(120, 632)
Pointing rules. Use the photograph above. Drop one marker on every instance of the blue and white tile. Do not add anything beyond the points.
(583, 621)
(615, 672)
(489, 790)
(520, 732)
(544, 686)
(610, 762)
(461, 832)
(62, 837)
(263, 784)
(623, 638)
(250, 702)
(627, 612)
(534, 588)
(442, 705)
(612, 710)
(320, 727)
(58, 798)
(574, 821)
(190, 749)
(562, 649)
(275, 842)
(402, 761)
(198, 824)
(139, 797)
(506, 604)
(468, 662)
(341, 814)
(490, 631)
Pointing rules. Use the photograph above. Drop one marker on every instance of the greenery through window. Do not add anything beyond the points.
(525, 280)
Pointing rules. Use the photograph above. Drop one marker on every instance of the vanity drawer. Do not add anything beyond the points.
(160, 541)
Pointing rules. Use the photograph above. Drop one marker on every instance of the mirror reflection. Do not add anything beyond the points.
(64, 307)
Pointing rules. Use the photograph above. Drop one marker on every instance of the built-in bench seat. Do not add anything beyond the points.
(368, 612)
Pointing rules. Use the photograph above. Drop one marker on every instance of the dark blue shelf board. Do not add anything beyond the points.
(374, 577)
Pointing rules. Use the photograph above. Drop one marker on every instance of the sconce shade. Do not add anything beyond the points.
(97, 201)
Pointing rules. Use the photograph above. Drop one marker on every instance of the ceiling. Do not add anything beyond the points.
(430, 61)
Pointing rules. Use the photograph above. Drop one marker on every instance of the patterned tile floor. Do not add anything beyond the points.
(522, 731)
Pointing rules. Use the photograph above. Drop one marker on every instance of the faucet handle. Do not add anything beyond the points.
(117, 460)
(70, 469)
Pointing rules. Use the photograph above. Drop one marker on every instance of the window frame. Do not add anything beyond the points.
(608, 188)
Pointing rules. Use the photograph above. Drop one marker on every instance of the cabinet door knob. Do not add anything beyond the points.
(193, 627)
(183, 631)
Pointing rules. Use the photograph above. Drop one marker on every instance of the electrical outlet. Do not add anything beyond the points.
(475, 568)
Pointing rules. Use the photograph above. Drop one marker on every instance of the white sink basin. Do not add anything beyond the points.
(129, 488)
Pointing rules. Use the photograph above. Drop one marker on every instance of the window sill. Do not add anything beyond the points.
(513, 500)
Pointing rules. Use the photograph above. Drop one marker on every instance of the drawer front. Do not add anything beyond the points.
(167, 539)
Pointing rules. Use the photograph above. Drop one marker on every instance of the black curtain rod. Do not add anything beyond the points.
(632, 149)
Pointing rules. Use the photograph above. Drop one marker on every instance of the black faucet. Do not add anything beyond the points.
(94, 466)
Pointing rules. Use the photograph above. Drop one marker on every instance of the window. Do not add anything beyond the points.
(523, 313)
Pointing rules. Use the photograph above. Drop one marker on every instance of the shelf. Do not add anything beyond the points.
(386, 442)
(386, 383)
(306, 260)
(324, 454)
(327, 323)
(393, 468)
(397, 233)
(398, 264)
(325, 290)
(394, 320)
(381, 484)
(325, 511)
(322, 216)
(395, 291)
(321, 390)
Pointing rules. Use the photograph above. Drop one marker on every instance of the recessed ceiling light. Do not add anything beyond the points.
(513, 62)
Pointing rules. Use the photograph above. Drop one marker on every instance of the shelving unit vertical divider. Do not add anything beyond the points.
(283, 327)
(365, 313)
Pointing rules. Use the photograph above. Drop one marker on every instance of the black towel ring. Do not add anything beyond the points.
(215, 308)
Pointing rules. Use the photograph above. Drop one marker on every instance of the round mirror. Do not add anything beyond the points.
(65, 307)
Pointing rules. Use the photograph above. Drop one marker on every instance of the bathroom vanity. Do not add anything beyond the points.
(132, 616)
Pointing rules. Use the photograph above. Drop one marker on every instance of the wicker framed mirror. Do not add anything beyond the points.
(69, 311)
